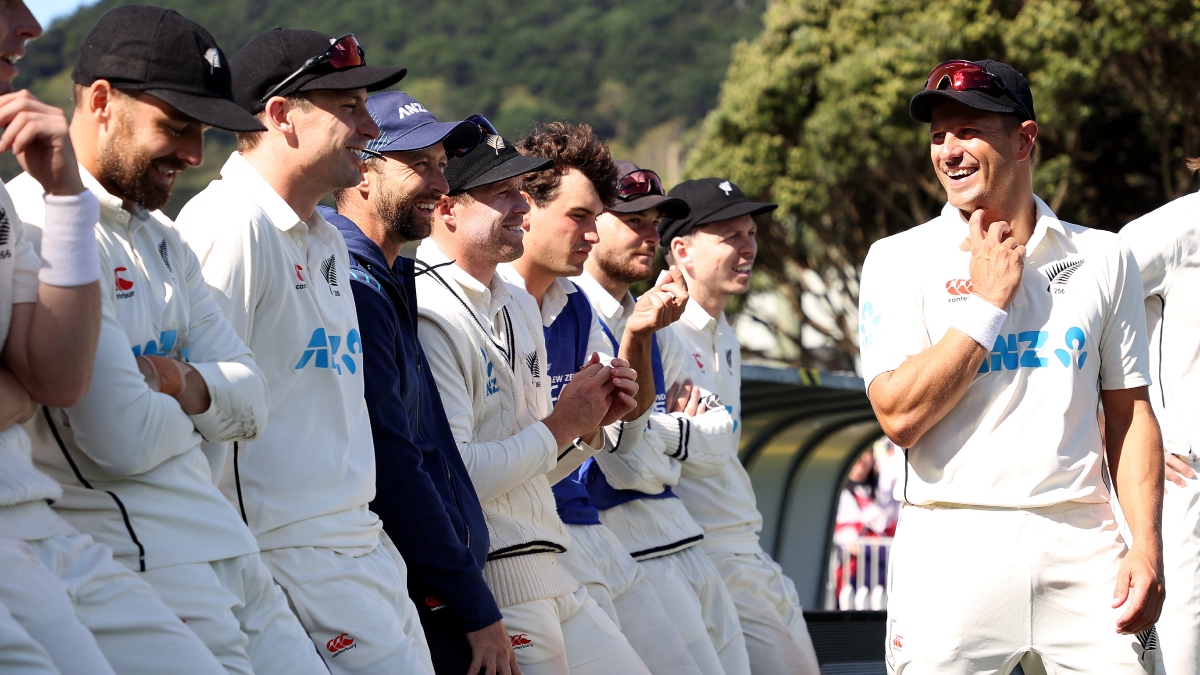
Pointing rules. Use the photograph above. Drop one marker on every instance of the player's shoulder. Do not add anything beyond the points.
(919, 240)
(1177, 219)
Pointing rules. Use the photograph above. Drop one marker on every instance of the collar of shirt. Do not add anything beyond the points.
(1046, 220)
(612, 311)
(112, 207)
(244, 178)
(700, 319)
(486, 300)
(556, 295)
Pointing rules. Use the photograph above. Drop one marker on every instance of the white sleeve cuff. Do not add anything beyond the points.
(979, 319)
(70, 256)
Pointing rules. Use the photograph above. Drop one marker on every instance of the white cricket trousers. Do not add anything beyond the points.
(974, 591)
(618, 585)
(1179, 626)
(235, 608)
(93, 615)
(569, 635)
(699, 605)
(768, 608)
(355, 609)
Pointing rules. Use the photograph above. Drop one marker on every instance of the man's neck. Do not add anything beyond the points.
(287, 180)
(481, 271)
(713, 303)
(615, 287)
(1022, 219)
(376, 230)
(537, 279)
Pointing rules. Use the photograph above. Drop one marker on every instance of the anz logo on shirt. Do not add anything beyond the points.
(490, 386)
(161, 347)
(322, 352)
(1022, 350)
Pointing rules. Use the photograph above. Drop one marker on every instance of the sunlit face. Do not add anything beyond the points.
(488, 226)
(560, 234)
(146, 144)
(720, 256)
(17, 26)
(627, 245)
(405, 189)
(330, 134)
(977, 155)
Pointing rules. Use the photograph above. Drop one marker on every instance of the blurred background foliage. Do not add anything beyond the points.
(802, 102)
(813, 114)
(641, 73)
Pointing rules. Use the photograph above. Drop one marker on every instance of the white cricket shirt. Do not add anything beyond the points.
(1166, 244)
(724, 504)
(284, 285)
(126, 440)
(1026, 432)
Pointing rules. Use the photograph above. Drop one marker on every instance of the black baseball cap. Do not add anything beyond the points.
(273, 56)
(159, 52)
(493, 160)
(668, 207)
(711, 200)
(1009, 95)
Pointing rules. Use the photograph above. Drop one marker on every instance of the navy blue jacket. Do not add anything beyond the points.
(423, 493)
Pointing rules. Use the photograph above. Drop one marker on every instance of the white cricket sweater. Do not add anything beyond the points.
(485, 347)
(134, 450)
(25, 492)
(283, 284)
(672, 445)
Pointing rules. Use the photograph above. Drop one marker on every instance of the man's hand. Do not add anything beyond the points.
(1140, 589)
(37, 134)
(16, 406)
(625, 388)
(660, 306)
(685, 398)
(190, 389)
(997, 261)
(1176, 470)
(492, 652)
(582, 404)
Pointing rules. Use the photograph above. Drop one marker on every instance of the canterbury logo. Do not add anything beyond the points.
(531, 360)
(1060, 272)
(520, 640)
(166, 256)
(959, 287)
(339, 644)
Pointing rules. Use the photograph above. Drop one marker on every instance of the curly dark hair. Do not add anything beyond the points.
(571, 146)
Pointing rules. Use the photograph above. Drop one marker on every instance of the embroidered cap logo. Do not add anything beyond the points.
(726, 187)
(213, 57)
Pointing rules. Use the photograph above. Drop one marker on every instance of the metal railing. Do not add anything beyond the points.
(856, 578)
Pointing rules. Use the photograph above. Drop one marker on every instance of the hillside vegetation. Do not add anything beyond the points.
(638, 72)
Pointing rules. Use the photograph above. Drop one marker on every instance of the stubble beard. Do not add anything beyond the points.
(620, 269)
(122, 168)
(399, 213)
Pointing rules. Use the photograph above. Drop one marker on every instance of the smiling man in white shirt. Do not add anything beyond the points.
(170, 371)
(280, 272)
(1166, 244)
(990, 337)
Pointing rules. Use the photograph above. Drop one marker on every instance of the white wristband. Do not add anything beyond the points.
(979, 319)
(70, 256)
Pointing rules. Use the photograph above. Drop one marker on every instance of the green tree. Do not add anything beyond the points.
(626, 67)
(813, 114)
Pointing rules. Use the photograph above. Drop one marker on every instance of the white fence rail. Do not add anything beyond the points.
(857, 574)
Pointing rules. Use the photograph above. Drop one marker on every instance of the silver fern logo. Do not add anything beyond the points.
(496, 143)
(531, 361)
(726, 187)
(1060, 273)
(165, 254)
(329, 271)
(5, 228)
(213, 58)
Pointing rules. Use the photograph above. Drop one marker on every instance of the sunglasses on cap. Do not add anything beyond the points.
(486, 129)
(344, 52)
(639, 184)
(966, 76)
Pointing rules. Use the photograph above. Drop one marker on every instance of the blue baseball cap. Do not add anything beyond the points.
(405, 124)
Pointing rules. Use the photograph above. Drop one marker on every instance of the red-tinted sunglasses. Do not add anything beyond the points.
(966, 76)
(639, 184)
(486, 129)
(345, 52)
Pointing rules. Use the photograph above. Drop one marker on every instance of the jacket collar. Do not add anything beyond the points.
(359, 244)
